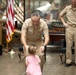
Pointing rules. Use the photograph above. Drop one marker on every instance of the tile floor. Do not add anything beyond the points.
(11, 66)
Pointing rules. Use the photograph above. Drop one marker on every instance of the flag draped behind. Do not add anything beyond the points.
(10, 24)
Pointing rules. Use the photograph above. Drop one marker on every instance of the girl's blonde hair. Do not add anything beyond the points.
(32, 49)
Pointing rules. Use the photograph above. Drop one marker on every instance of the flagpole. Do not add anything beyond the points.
(24, 9)
(6, 50)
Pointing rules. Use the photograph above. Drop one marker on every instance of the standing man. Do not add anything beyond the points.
(32, 32)
(70, 25)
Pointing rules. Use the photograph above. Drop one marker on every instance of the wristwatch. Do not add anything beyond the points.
(44, 45)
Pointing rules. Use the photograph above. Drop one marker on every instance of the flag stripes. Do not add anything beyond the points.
(10, 24)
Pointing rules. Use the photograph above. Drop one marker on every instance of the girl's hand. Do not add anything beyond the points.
(42, 48)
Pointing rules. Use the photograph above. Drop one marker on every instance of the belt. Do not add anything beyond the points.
(72, 25)
(34, 40)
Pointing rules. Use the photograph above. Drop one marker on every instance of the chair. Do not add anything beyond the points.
(20, 52)
(63, 50)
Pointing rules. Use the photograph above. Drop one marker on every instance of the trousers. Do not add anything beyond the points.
(70, 36)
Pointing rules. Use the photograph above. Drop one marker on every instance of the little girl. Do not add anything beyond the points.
(33, 62)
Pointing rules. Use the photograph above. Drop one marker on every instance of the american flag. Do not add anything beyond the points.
(10, 23)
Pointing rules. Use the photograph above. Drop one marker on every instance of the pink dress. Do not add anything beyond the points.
(33, 66)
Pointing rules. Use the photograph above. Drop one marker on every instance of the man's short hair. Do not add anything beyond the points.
(35, 14)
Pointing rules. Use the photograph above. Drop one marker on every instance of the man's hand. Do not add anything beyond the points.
(42, 48)
(66, 25)
(26, 47)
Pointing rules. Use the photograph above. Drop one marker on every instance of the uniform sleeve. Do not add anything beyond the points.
(24, 27)
(45, 29)
(63, 11)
